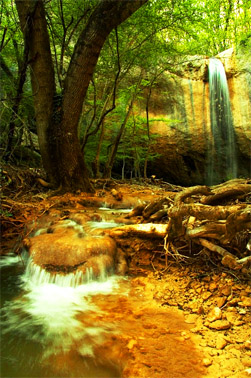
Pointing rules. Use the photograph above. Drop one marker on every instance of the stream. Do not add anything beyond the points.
(40, 318)
(75, 325)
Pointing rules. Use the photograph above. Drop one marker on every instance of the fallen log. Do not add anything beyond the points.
(145, 230)
(228, 259)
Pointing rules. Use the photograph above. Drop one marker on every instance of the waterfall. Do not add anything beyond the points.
(38, 276)
(222, 164)
(51, 312)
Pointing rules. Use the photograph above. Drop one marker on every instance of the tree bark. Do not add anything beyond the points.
(34, 28)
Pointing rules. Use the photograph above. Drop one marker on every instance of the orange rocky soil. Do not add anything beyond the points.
(187, 323)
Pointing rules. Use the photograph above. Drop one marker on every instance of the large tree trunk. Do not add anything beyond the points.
(34, 27)
(57, 121)
(106, 16)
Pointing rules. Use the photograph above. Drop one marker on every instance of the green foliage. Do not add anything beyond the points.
(152, 41)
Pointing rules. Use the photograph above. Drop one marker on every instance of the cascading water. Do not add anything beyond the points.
(49, 316)
(44, 316)
(222, 162)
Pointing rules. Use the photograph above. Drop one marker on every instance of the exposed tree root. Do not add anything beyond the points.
(196, 220)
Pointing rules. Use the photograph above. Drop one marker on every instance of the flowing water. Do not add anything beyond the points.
(71, 325)
(222, 162)
(44, 315)
(39, 319)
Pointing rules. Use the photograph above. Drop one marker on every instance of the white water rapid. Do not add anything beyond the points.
(45, 314)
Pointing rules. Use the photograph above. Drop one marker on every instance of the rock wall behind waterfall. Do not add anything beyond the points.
(182, 101)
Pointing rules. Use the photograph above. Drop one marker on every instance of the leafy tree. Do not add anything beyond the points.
(13, 77)
(83, 57)
(58, 114)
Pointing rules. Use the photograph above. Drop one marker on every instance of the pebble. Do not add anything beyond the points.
(239, 322)
(191, 319)
(185, 335)
(207, 362)
(226, 290)
(220, 325)
(138, 314)
(247, 344)
(131, 344)
(206, 295)
(200, 310)
(242, 311)
(246, 361)
(213, 286)
(220, 343)
(220, 301)
(245, 301)
(207, 279)
(214, 314)
(234, 301)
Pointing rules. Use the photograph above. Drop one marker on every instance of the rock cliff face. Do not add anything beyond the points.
(182, 101)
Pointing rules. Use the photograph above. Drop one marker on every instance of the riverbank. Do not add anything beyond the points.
(170, 318)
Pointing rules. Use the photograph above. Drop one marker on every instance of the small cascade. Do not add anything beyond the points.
(49, 315)
(52, 314)
(222, 163)
(37, 275)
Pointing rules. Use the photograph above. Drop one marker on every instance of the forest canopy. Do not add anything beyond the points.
(75, 73)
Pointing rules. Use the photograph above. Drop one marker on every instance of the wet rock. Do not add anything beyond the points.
(64, 250)
(82, 218)
(220, 325)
